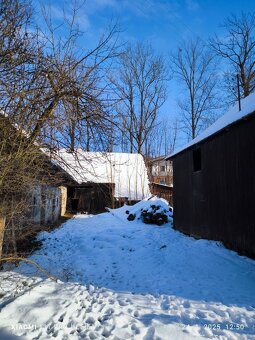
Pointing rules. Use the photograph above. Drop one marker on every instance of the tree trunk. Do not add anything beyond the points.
(72, 136)
(88, 137)
(13, 229)
(2, 228)
(14, 241)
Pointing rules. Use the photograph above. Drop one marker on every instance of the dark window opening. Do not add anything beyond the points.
(197, 164)
(162, 168)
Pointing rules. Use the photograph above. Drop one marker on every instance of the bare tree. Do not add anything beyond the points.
(140, 86)
(44, 74)
(237, 47)
(16, 156)
(194, 67)
(46, 82)
(162, 139)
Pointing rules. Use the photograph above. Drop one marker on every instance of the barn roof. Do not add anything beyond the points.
(157, 159)
(127, 171)
(231, 117)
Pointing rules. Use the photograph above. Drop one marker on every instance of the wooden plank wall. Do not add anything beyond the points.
(163, 191)
(91, 197)
(218, 202)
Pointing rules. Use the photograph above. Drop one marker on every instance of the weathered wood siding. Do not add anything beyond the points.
(90, 197)
(163, 191)
(218, 202)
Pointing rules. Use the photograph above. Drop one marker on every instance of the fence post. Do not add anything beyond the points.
(2, 227)
(63, 200)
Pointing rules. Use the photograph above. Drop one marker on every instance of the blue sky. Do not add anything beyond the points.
(162, 23)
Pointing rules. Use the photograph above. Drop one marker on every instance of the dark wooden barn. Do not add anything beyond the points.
(214, 182)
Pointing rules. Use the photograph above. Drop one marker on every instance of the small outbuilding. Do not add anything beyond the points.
(160, 171)
(214, 181)
(102, 179)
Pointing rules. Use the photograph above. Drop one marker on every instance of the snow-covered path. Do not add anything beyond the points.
(128, 280)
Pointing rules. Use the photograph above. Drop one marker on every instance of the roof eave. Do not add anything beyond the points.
(211, 136)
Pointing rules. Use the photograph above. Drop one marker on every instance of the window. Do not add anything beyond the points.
(162, 168)
(197, 164)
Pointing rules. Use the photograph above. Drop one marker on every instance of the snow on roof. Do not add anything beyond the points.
(127, 171)
(232, 116)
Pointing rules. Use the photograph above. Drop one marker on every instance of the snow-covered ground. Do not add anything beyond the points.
(128, 280)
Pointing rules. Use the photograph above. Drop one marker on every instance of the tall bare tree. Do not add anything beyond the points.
(162, 139)
(194, 66)
(237, 47)
(140, 85)
(44, 73)
(46, 82)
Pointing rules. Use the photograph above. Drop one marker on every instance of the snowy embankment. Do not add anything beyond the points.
(129, 280)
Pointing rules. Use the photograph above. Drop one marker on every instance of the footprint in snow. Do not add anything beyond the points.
(98, 328)
(78, 330)
(94, 301)
(200, 314)
(164, 304)
(101, 307)
(106, 332)
(61, 318)
(150, 334)
(70, 324)
(122, 303)
(90, 320)
(50, 329)
(221, 313)
(136, 314)
(78, 312)
(93, 336)
(135, 329)
(109, 311)
(186, 304)
(104, 318)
